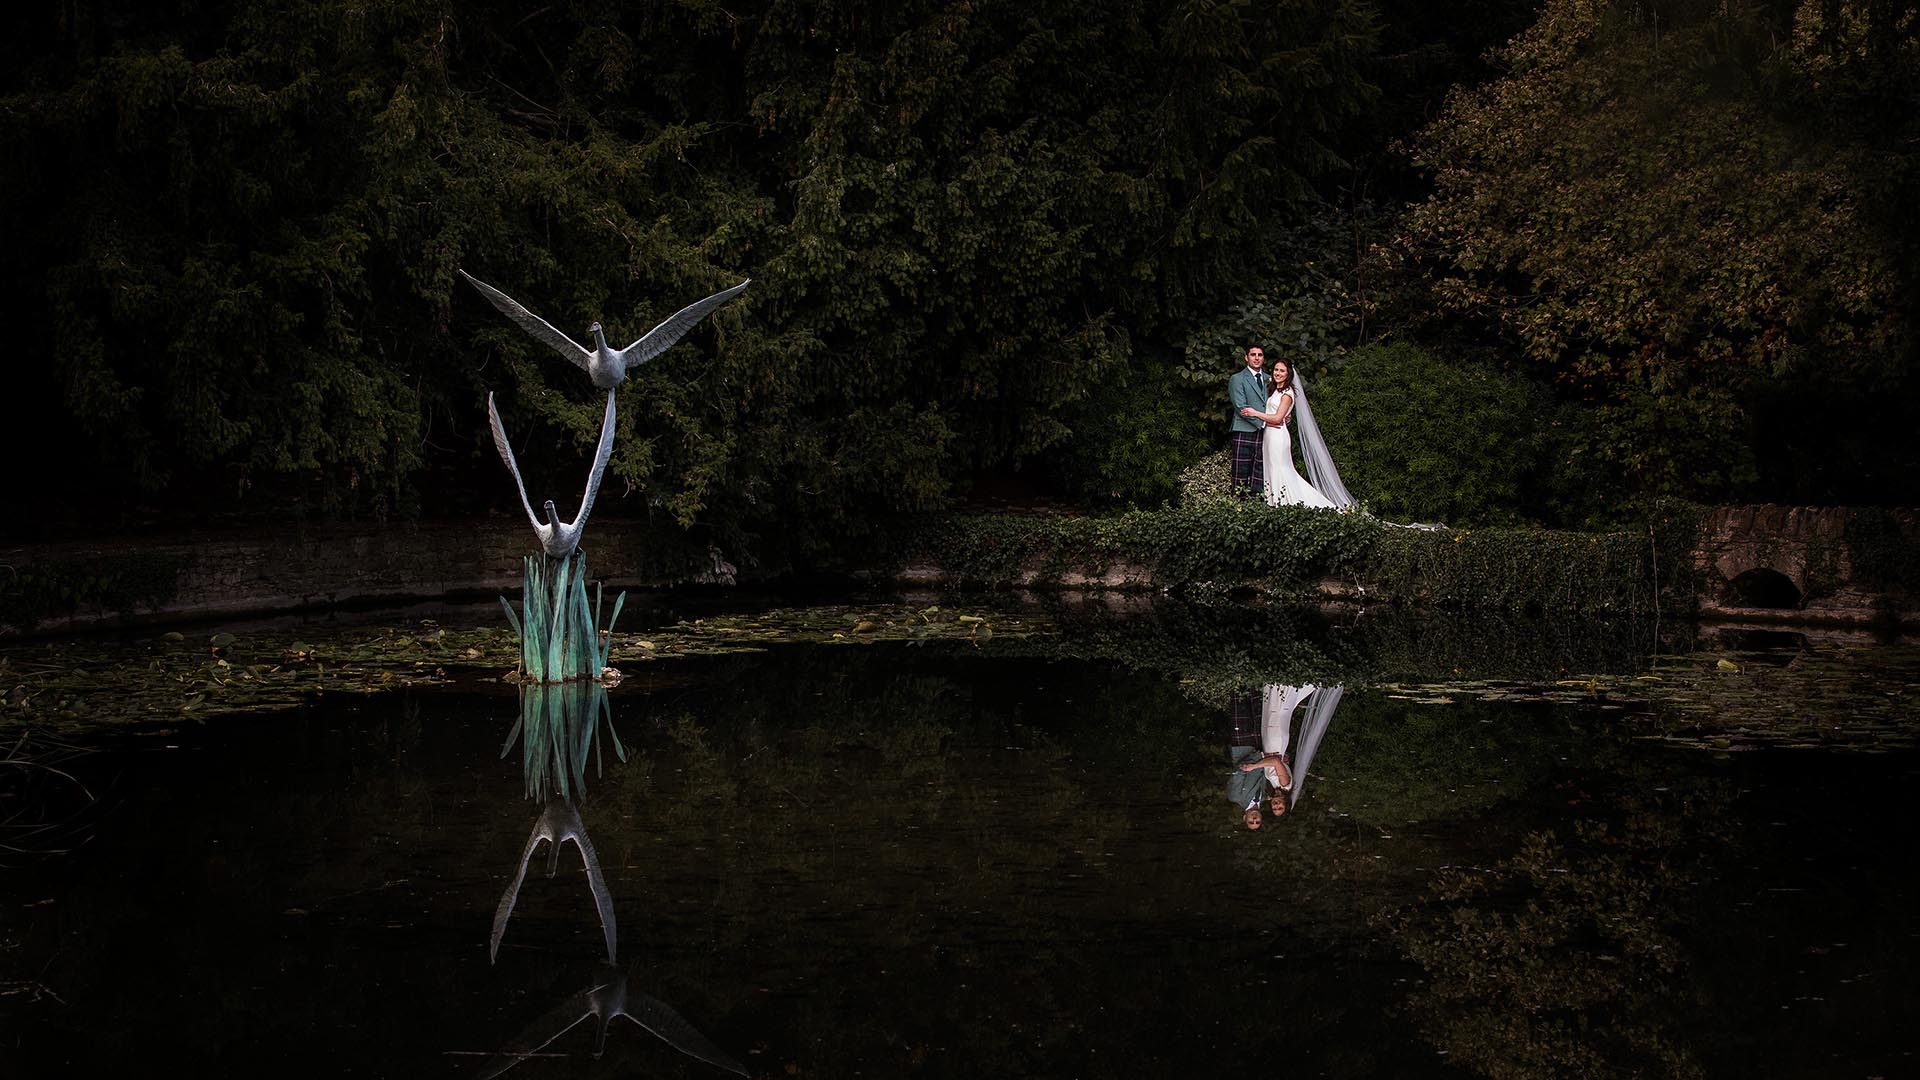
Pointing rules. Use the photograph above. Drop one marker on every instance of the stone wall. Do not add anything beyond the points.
(1753, 563)
(138, 580)
(1796, 563)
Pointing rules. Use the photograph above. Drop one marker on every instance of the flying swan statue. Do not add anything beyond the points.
(557, 538)
(607, 367)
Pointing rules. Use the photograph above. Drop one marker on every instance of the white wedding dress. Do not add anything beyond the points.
(1285, 487)
(1276, 729)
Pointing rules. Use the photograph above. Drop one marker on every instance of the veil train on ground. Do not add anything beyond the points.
(1321, 472)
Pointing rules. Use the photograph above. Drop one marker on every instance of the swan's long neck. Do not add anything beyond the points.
(553, 513)
(599, 338)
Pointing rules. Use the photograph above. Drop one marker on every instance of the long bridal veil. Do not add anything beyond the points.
(1320, 708)
(1321, 472)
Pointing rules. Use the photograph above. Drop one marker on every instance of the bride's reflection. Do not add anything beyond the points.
(557, 732)
(1270, 751)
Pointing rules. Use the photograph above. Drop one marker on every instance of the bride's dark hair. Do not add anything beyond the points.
(1277, 384)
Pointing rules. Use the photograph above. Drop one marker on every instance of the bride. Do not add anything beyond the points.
(1284, 486)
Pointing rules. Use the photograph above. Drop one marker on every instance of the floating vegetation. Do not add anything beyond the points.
(176, 677)
(1828, 696)
(1822, 695)
(60, 686)
(836, 625)
(42, 805)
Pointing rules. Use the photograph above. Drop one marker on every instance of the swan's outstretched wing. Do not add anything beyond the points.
(572, 828)
(531, 323)
(661, 338)
(536, 1036)
(600, 458)
(505, 911)
(658, 1017)
(506, 455)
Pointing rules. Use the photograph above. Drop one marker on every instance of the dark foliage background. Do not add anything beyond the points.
(1015, 245)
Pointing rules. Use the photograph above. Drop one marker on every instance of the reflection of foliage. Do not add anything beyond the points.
(1214, 647)
(1391, 764)
(862, 812)
(860, 858)
(41, 802)
(1562, 960)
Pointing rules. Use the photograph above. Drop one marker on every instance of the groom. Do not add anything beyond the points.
(1247, 390)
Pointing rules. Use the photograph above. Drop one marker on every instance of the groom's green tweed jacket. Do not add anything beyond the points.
(1247, 389)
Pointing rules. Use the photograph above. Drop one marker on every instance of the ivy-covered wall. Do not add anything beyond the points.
(1297, 552)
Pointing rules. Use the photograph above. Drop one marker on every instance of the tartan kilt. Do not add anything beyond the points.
(1248, 470)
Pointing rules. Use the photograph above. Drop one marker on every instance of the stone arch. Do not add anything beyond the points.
(1764, 587)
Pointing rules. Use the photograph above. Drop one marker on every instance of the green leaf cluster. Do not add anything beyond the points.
(1422, 439)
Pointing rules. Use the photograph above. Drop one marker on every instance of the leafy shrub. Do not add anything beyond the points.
(1208, 482)
(1130, 439)
(1420, 438)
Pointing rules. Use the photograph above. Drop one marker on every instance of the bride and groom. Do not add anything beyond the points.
(1270, 757)
(1265, 408)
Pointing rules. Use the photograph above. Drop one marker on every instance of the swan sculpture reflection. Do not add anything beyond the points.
(607, 367)
(557, 824)
(607, 998)
(557, 538)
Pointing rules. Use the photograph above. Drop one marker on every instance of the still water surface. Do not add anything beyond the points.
(944, 861)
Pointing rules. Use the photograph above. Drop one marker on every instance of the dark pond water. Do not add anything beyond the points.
(945, 861)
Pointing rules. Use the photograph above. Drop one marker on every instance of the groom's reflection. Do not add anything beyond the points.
(1269, 751)
(557, 732)
(1248, 785)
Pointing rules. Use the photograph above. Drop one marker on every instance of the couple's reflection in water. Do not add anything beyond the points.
(558, 733)
(1271, 740)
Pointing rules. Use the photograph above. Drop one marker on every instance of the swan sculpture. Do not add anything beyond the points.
(607, 367)
(607, 998)
(557, 824)
(557, 538)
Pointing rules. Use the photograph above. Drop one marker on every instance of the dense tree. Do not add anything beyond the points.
(961, 219)
(985, 236)
(1697, 217)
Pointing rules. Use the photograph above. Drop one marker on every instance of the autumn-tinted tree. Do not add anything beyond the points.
(1696, 218)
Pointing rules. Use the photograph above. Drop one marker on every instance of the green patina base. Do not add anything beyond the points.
(559, 627)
